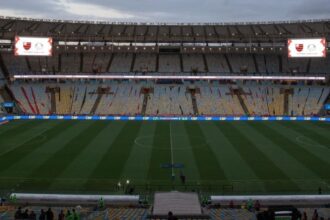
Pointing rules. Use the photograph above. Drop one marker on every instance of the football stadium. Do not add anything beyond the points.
(139, 120)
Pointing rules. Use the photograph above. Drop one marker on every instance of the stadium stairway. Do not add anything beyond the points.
(327, 101)
(145, 103)
(133, 63)
(96, 104)
(241, 101)
(194, 103)
(52, 92)
(287, 92)
(7, 95)
(205, 63)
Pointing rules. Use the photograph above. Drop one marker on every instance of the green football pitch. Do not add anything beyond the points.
(217, 157)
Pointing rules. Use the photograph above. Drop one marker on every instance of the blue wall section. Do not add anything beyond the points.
(163, 118)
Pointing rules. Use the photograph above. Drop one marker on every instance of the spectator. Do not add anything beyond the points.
(75, 215)
(61, 216)
(42, 215)
(243, 206)
(18, 213)
(304, 217)
(171, 216)
(101, 203)
(25, 215)
(257, 206)
(32, 215)
(231, 204)
(68, 215)
(250, 205)
(50, 214)
(315, 215)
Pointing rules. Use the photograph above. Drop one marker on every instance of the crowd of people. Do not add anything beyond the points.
(45, 215)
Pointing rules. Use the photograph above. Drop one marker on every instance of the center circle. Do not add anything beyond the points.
(165, 142)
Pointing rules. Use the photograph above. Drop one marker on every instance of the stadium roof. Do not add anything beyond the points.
(161, 32)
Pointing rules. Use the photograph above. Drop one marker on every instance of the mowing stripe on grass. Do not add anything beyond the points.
(324, 125)
(298, 173)
(302, 155)
(22, 150)
(12, 125)
(55, 165)
(113, 162)
(137, 166)
(306, 143)
(313, 126)
(82, 166)
(310, 133)
(207, 163)
(16, 131)
(235, 167)
(24, 137)
(263, 167)
(183, 152)
(161, 153)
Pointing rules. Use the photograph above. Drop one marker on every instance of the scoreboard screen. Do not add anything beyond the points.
(307, 47)
(327, 107)
(8, 104)
(33, 46)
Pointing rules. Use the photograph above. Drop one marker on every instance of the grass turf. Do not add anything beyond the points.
(218, 157)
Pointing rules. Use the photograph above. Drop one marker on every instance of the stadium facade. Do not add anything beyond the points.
(148, 71)
(145, 49)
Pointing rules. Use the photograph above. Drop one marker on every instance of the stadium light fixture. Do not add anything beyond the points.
(169, 77)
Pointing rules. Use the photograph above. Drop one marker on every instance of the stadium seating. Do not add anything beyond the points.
(15, 64)
(123, 98)
(320, 65)
(1, 100)
(172, 100)
(121, 63)
(217, 63)
(145, 63)
(127, 213)
(241, 63)
(169, 63)
(70, 63)
(231, 214)
(193, 62)
(101, 62)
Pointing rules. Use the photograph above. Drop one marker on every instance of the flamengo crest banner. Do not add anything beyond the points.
(307, 47)
(33, 46)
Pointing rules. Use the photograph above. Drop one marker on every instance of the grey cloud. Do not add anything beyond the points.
(185, 10)
(31, 6)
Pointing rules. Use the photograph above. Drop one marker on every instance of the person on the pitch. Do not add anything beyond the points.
(182, 177)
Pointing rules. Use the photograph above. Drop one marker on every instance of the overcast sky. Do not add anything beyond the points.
(169, 10)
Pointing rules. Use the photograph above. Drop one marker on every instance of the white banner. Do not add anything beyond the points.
(307, 47)
(33, 46)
